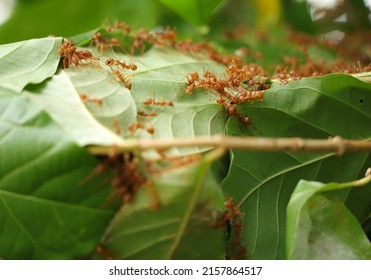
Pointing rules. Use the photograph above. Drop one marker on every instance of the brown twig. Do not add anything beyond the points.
(335, 145)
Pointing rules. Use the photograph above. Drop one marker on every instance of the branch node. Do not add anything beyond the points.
(340, 146)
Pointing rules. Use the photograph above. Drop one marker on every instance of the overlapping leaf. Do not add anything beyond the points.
(60, 99)
(48, 209)
(140, 231)
(26, 62)
(263, 182)
(117, 108)
(319, 226)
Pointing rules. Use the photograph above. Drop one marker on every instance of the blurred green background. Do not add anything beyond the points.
(24, 19)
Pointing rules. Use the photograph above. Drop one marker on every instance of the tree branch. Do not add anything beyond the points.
(335, 145)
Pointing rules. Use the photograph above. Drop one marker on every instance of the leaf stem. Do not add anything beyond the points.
(336, 144)
(359, 183)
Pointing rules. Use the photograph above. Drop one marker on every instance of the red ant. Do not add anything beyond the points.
(93, 100)
(144, 114)
(115, 62)
(122, 79)
(136, 125)
(70, 55)
(232, 215)
(119, 26)
(116, 124)
(150, 130)
(150, 101)
(104, 253)
(103, 43)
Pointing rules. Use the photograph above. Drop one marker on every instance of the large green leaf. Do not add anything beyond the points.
(48, 209)
(263, 182)
(183, 227)
(319, 226)
(26, 62)
(161, 76)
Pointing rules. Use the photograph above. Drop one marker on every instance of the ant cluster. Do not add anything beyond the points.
(163, 38)
(284, 76)
(127, 176)
(144, 114)
(314, 68)
(241, 85)
(103, 43)
(119, 25)
(69, 54)
(104, 40)
(246, 52)
(232, 216)
(191, 47)
(343, 67)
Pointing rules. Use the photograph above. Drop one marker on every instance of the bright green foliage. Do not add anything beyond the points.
(313, 232)
(55, 204)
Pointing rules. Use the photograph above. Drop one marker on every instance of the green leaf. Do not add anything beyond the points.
(26, 62)
(118, 106)
(60, 99)
(194, 11)
(319, 226)
(47, 208)
(161, 76)
(263, 182)
(139, 231)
